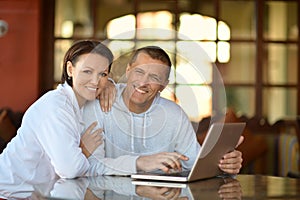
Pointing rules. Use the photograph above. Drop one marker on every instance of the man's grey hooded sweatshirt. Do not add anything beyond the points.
(164, 127)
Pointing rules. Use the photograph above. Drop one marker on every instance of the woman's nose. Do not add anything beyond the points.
(95, 79)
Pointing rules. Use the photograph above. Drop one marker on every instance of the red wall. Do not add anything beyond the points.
(19, 53)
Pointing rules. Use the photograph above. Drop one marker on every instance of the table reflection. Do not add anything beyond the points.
(269, 187)
(114, 187)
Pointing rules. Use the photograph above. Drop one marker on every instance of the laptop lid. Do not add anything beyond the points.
(220, 139)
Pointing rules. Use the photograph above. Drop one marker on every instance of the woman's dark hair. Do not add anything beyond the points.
(83, 47)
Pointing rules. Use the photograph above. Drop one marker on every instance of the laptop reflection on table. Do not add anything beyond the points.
(203, 189)
(220, 139)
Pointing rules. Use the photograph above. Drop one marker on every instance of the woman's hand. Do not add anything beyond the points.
(107, 96)
(90, 140)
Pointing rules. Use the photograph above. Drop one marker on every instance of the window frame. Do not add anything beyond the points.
(48, 39)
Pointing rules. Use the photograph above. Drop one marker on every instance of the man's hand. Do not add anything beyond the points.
(230, 190)
(90, 140)
(164, 161)
(241, 140)
(152, 192)
(107, 96)
(231, 163)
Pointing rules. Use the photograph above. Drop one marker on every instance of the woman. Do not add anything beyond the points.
(48, 143)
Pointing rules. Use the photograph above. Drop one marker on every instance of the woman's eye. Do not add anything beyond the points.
(103, 74)
(87, 71)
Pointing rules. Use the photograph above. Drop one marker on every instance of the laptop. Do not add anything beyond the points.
(220, 139)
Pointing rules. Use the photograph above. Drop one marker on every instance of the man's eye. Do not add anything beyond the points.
(156, 79)
(139, 72)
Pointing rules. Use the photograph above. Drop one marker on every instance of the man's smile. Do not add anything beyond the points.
(141, 90)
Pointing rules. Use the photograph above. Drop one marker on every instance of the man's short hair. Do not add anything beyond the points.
(154, 52)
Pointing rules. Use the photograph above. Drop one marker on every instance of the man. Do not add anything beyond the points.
(143, 131)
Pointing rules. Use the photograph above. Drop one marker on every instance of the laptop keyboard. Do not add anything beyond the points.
(179, 174)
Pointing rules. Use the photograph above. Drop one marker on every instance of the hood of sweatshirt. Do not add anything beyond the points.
(139, 127)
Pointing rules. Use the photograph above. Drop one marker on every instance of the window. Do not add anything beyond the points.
(254, 45)
(192, 49)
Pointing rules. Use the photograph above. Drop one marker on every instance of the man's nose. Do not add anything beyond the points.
(144, 80)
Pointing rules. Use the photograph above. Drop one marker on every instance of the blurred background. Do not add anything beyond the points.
(253, 44)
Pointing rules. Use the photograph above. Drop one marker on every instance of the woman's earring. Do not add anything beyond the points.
(69, 77)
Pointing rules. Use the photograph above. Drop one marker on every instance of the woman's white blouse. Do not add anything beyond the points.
(47, 143)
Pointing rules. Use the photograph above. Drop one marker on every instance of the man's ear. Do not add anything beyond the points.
(128, 68)
(69, 68)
